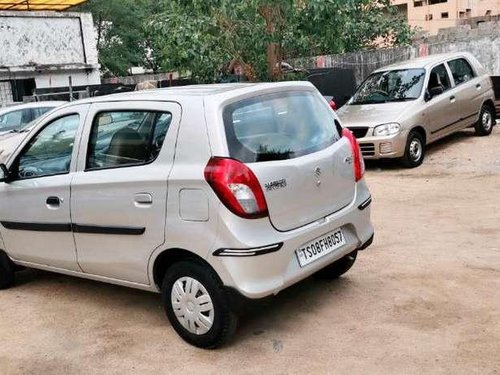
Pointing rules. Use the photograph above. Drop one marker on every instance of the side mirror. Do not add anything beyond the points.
(435, 91)
(4, 173)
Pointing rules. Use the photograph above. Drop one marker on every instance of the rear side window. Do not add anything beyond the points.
(37, 112)
(11, 120)
(278, 126)
(125, 138)
(461, 71)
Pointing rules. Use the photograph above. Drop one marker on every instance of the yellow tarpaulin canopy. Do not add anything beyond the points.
(38, 4)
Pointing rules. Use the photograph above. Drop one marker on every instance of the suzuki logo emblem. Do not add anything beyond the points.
(317, 173)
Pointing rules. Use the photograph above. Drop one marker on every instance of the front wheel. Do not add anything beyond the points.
(197, 306)
(338, 268)
(414, 151)
(484, 125)
(7, 270)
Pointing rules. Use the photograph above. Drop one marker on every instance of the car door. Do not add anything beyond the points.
(442, 109)
(35, 202)
(119, 193)
(469, 90)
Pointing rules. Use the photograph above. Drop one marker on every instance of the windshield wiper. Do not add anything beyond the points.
(401, 99)
(370, 102)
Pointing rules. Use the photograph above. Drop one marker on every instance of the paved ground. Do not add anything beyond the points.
(424, 299)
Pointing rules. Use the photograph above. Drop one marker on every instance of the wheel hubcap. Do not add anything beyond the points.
(487, 120)
(415, 149)
(192, 305)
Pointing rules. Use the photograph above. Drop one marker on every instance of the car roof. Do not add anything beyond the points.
(423, 62)
(180, 93)
(44, 104)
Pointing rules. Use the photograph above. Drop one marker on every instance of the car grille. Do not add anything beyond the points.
(367, 149)
(359, 132)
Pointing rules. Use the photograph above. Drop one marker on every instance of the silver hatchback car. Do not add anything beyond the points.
(207, 194)
(401, 108)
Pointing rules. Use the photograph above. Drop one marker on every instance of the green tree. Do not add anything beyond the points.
(121, 36)
(200, 37)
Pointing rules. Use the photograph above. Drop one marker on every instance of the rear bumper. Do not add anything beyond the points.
(260, 275)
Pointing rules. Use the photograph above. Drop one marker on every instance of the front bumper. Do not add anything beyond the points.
(266, 274)
(383, 147)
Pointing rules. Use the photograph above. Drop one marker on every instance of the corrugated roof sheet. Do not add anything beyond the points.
(39, 4)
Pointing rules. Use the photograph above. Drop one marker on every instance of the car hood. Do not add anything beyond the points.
(373, 114)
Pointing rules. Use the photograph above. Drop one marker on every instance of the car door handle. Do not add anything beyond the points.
(143, 198)
(478, 86)
(54, 201)
(452, 99)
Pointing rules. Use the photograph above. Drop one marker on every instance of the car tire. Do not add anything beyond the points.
(414, 151)
(338, 268)
(197, 305)
(484, 125)
(7, 271)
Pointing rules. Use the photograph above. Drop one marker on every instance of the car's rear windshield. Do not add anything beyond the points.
(279, 126)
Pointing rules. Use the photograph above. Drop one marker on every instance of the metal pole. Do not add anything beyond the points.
(70, 89)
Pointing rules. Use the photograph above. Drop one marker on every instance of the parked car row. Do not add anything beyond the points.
(214, 194)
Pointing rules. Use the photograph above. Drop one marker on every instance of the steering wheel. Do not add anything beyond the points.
(30, 172)
(380, 92)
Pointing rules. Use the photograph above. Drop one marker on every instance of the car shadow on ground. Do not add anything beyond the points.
(277, 313)
(432, 150)
(91, 293)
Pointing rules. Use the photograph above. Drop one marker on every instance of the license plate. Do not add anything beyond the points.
(320, 247)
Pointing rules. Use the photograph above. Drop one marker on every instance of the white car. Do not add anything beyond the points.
(17, 121)
(206, 194)
(17, 116)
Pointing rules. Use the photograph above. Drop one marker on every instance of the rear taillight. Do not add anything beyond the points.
(237, 187)
(359, 163)
(333, 105)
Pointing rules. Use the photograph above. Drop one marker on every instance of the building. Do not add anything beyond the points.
(45, 49)
(432, 15)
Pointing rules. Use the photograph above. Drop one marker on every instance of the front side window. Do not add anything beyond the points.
(278, 126)
(461, 70)
(126, 138)
(49, 152)
(439, 79)
(390, 86)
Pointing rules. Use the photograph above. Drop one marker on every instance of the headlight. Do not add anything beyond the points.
(387, 129)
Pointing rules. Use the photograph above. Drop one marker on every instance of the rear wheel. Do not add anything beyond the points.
(6, 271)
(338, 268)
(484, 125)
(414, 151)
(197, 306)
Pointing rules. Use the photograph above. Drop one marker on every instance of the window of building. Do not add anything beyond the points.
(428, 17)
(444, 15)
(432, 2)
(418, 3)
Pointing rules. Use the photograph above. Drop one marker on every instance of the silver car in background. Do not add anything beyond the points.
(401, 108)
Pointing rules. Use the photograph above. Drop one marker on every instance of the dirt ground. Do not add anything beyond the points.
(425, 298)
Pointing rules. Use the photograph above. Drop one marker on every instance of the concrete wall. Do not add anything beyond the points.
(48, 47)
(483, 42)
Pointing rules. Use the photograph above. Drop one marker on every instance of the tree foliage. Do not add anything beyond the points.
(207, 38)
(201, 36)
(121, 35)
